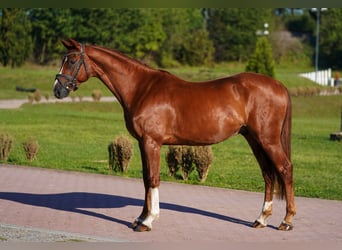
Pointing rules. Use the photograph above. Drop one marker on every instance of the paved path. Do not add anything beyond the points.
(94, 207)
(16, 103)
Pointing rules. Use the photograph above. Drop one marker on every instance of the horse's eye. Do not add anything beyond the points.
(72, 61)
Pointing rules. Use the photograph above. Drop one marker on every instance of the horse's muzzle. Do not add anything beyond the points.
(60, 91)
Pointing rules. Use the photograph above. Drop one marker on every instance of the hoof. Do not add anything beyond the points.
(257, 224)
(137, 226)
(284, 226)
(142, 228)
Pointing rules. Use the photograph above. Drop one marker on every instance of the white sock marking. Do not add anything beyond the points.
(154, 213)
(267, 205)
(262, 218)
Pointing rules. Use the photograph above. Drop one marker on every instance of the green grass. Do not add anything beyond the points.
(43, 77)
(40, 78)
(74, 136)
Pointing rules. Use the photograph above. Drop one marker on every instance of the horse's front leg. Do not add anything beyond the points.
(150, 156)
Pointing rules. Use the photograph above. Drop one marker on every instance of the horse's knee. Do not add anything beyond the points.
(154, 182)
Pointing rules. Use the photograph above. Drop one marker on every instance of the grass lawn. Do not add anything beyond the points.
(43, 77)
(74, 136)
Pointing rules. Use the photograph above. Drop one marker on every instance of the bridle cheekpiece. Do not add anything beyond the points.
(70, 83)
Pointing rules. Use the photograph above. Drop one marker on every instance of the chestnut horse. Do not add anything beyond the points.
(162, 109)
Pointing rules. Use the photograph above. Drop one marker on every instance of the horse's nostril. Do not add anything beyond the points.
(61, 92)
(57, 94)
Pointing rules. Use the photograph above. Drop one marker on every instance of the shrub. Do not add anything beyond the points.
(187, 160)
(120, 153)
(173, 159)
(185, 157)
(202, 158)
(6, 143)
(96, 95)
(197, 48)
(261, 61)
(37, 96)
(180, 157)
(30, 97)
(47, 96)
(31, 148)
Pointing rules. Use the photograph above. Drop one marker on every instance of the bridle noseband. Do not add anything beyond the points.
(70, 83)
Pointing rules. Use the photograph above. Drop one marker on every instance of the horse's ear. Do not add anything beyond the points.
(70, 44)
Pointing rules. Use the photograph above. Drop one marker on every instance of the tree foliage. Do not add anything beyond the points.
(187, 40)
(233, 31)
(15, 39)
(331, 37)
(49, 26)
(169, 37)
(261, 61)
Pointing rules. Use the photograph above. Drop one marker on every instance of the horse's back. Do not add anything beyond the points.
(254, 80)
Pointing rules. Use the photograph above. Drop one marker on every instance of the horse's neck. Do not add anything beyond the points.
(118, 72)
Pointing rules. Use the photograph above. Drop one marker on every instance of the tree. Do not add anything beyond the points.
(142, 32)
(96, 26)
(261, 61)
(187, 39)
(49, 26)
(331, 38)
(196, 49)
(136, 32)
(15, 39)
(233, 31)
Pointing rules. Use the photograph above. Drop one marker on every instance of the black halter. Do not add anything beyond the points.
(70, 83)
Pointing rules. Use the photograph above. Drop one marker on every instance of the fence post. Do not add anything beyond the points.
(322, 77)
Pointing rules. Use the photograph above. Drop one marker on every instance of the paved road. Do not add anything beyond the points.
(50, 205)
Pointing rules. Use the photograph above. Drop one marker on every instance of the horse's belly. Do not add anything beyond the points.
(207, 131)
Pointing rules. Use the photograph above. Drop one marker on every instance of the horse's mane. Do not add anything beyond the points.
(122, 55)
(134, 61)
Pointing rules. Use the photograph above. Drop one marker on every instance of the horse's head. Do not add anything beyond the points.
(71, 73)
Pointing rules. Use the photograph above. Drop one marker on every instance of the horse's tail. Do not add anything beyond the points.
(286, 131)
(286, 143)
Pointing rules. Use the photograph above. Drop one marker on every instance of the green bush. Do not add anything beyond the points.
(197, 49)
(120, 153)
(261, 61)
(6, 143)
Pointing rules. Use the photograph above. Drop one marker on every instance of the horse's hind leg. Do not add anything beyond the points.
(285, 181)
(265, 165)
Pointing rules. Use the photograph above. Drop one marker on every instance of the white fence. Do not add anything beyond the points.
(321, 77)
